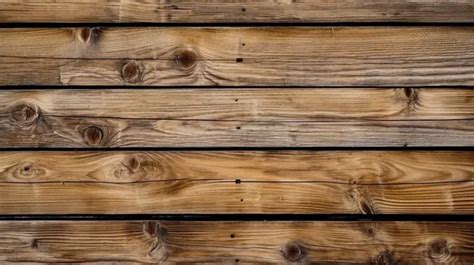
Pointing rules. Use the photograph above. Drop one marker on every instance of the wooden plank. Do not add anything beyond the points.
(248, 104)
(268, 56)
(172, 242)
(227, 117)
(283, 182)
(179, 11)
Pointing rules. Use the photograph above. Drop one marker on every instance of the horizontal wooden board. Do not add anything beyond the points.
(176, 11)
(276, 182)
(268, 56)
(226, 117)
(173, 242)
(248, 104)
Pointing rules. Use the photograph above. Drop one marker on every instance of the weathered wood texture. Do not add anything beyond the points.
(237, 117)
(305, 182)
(170, 11)
(273, 56)
(170, 242)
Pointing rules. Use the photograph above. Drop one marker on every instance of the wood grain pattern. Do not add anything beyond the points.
(171, 242)
(237, 117)
(172, 11)
(268, 56)
(248, 104)
(364, 182)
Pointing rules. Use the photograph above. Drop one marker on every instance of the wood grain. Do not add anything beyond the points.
(171, 242)
(248, 104)
(254, 117)
(283, 182)
(268, 56)
(178, 11)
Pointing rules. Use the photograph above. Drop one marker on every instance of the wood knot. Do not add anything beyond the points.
(87, 35)
(25, 114)
(26, 170)
(152, 228)
(133, 164)
(362, 202)
(293, 252)
(384, 258)
(35, 243)
(438, 249)
(93, 135)
(131, 72)
(185, 60)
(411, 95)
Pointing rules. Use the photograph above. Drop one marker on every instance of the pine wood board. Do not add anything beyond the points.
(297, 242)
(247, 11)
(233, 182)
(239, 56)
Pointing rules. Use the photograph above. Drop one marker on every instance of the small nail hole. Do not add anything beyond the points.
(241, 200)
(243, 44)
(237, 181)
(243, 10)
(239, 60)
(236, 100)
(232, 235)
(238, 127)
(237, 260)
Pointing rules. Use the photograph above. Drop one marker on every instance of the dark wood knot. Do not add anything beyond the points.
(185, 60)
(93, 135)
(293, 252)
(133, 164)
(385, 257)
(35, 243)
(131, 72)
(26, 170)
(87, 35)
(25, 114)
(438, 249)
(152, 228)
(412, 100)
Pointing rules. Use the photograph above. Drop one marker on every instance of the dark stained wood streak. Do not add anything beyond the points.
(179, 11)
(290, 117)
(265, 56)
(174, 242)
(184, 182)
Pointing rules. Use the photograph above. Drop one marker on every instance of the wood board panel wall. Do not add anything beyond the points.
(168, 132)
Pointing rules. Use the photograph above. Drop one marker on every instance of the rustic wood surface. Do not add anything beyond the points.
(171, 242)
(134, 109)
(273, 56)
(224, 117)
(305, 182)
(172, 11)
(247, 104)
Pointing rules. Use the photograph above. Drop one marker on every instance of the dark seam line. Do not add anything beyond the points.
(240, 217)
(242, 181)
(217, 88)
(327, 121)
(224, 86)
(233, 148)
(276, 24)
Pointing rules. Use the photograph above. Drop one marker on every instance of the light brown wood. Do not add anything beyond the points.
(227, 117)
(269, 56)
(171, 242)
(172, 11)
(248, 104)
(364, 182)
